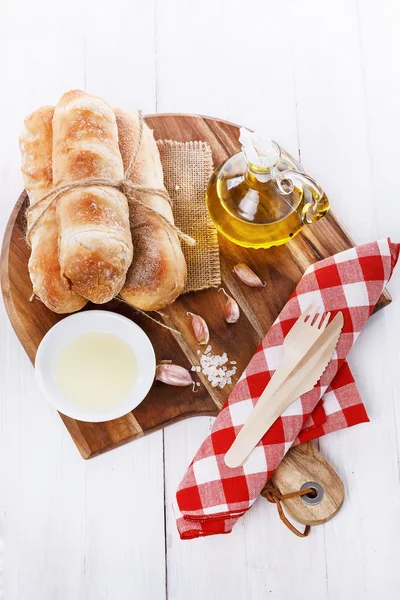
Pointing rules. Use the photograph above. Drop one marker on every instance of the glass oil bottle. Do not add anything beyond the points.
(260, 197)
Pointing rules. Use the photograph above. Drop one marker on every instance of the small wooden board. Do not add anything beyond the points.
(301, 469)
(280, 267)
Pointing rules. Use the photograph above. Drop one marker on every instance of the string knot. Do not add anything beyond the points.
(126, 186)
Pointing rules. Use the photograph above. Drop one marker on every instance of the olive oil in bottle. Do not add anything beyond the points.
(264, 204)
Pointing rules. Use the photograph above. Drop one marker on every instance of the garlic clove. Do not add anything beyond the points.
(231, 310)
(200, 329)
(173, 375)
(247, 276)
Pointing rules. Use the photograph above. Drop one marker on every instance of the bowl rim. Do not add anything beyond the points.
(43, 370)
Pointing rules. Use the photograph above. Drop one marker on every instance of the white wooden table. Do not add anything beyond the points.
(322, 77)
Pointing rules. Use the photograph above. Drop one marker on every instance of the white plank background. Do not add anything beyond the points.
(322, 77)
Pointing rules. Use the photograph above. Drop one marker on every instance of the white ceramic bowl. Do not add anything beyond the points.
(87, 322)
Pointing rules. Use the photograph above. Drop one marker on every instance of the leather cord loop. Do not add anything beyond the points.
(273, 495)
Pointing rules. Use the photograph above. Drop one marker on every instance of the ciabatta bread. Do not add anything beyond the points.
(48, 283)
(157, 275)
(95, 238)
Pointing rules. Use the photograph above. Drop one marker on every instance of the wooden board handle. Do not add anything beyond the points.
(304, 464)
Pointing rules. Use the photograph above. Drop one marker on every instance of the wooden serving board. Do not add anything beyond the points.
(280, 267)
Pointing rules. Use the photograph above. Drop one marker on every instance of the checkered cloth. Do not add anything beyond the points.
(212, 496)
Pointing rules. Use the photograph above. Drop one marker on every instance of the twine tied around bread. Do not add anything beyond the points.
(127, 187)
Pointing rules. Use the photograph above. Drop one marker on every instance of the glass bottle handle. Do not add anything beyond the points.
(315, 204)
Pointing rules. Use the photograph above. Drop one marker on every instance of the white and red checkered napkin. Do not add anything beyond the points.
(211, 496)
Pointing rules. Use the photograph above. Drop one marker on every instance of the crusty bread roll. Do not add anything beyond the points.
(44, 268)
(95, 238)
(157, 275)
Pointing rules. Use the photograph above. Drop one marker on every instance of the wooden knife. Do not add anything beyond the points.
(301, 380)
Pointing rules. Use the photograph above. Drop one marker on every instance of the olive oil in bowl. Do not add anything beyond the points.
(95, 366)
(96, 369)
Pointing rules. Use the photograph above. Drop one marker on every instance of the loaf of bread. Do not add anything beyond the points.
(157, 275)
(48, 283)
(95, 238)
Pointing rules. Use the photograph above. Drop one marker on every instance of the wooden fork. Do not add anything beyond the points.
(300, 339)
(297, 343)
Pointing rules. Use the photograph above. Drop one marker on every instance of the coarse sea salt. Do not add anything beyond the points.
(213, 367)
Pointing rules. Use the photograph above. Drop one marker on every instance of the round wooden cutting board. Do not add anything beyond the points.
(281, 267)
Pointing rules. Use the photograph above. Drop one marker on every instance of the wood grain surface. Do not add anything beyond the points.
(280, 267)
(322, 79)
(302, 467)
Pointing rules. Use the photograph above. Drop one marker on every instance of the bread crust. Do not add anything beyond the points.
(95, 238)
(48, 282)
(157, 275)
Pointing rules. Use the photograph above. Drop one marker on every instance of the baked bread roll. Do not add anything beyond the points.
(95, 238)
(44, 268)
(157, 275)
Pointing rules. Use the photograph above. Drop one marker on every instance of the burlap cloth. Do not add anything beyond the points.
(187, 168)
